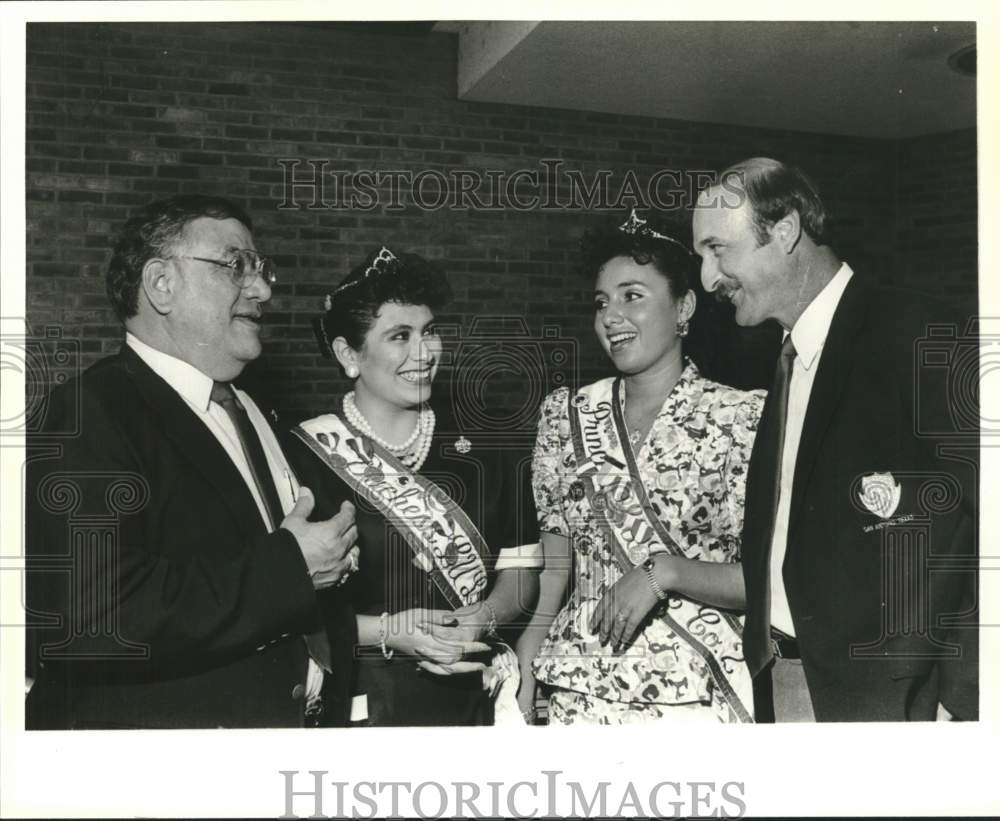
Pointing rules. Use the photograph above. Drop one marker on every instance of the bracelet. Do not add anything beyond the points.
(383, 634)
(491, 625)
(529, 715)
(648, 566)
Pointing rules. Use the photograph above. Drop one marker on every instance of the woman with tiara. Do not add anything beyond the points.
(639, 481)
(441, 569)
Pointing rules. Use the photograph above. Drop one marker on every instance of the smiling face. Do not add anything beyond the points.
(757, 279)
(399, 358)
(212, 322)
(636, 316)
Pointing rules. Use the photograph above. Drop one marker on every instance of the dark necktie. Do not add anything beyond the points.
(770, 444)
(776, 430)
(222, 394)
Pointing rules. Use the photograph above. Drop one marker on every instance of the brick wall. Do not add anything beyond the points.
(121, 114)
(935, 216)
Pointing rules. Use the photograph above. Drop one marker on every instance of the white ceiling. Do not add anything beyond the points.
(870, 79)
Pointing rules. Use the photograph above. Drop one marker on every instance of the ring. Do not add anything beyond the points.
(352, 567)
(622, 616)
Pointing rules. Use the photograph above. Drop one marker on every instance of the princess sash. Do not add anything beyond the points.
(609, 476)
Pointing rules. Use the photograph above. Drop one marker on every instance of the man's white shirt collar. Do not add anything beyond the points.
(194, 386)
(810, 331)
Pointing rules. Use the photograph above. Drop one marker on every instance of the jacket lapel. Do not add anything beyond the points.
(195, 441)
(836, 362)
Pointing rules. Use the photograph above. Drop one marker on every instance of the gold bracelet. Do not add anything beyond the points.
(654, 584)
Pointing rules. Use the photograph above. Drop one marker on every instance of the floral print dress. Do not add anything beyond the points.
(693, 467)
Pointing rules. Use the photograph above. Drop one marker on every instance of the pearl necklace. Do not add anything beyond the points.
(413, 452)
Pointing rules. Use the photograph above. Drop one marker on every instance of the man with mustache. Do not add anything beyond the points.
(172, 573)
(845, 621)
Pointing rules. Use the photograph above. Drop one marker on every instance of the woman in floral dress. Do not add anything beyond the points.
(639, 482)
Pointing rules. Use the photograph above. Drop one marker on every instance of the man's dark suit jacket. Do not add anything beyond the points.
(156, 596)
(875, 600)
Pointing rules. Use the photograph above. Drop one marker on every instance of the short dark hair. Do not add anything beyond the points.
(774, 189)
(406, 279)
(670, 257)
(150, 232)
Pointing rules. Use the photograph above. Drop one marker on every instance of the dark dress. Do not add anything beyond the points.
(491, 483)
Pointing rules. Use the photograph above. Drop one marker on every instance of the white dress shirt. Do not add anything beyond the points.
(808, 336)
(195, 388)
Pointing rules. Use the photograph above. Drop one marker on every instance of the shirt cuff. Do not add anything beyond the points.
(526, 556)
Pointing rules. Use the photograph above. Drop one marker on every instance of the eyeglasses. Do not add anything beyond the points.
(244, 267)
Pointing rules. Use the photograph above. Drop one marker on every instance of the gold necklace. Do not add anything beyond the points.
(642, 424)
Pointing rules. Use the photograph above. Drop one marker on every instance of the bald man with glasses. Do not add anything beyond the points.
(174, 580)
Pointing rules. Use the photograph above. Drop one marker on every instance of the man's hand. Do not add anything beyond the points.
(328, 547)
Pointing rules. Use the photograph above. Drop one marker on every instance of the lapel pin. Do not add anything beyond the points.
(880, 494)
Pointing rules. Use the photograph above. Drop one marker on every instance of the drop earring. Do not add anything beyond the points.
(682, 328)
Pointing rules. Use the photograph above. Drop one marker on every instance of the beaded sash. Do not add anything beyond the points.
(610, 479)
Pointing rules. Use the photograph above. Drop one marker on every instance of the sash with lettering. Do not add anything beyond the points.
(445, 542)
(607, 470)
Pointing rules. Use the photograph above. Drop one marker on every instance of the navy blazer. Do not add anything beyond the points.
(883, 607)
(156, 595)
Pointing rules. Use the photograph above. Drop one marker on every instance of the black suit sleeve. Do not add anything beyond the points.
(191, 589)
